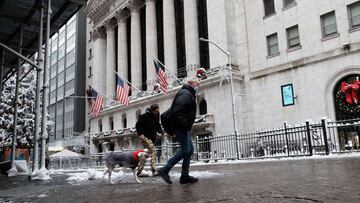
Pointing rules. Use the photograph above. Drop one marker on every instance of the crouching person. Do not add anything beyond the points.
(148, 128)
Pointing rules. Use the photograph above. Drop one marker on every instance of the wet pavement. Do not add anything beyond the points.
(307, 180)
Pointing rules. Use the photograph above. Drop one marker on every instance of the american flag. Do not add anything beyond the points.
(96, 103)
(122, 91)
(161, 76)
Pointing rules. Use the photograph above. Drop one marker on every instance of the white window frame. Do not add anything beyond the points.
(268, 45)
(323, 27)
(351, 26)
(288, 37)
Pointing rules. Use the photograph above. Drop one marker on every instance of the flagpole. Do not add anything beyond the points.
(127, 81)
(82, 97)
(166, 69)
(103, 94)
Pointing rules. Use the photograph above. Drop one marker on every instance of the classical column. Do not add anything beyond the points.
(170, 36)
(136, 69)
(110, 58)
(151, 42)
(191, 37)
(122, 67)
(99, 62)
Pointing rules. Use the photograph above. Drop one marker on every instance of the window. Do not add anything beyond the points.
(61, 79)
(60, 93)
(90, 36)
(124, 120)
(61, 65)
(69, 104)
(70, 44)
(90, 72)
(71, 28)
(70, 58)
(288, 3)
(52, 84)
(53, 58)
(269, 7)
(59, 119)
(53, 71)
(61, 51)
(100, 125)
(54, 44)
(69, 119)
(62, 38)
(293, 37)
(69, 88)
(328, 23)
(53, 97)
(354, 15)
(90, 53)
(137, 114)
(273, 46)
(111, 121)
(70, 73)
(52, 112)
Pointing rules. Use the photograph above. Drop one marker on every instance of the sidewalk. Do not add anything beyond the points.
(302, 180)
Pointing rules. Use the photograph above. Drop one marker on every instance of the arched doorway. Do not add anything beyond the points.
(346, 108)
(203, 107)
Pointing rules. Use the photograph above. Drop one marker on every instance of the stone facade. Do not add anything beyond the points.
(240, 27)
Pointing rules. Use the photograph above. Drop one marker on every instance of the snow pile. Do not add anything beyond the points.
(41, 174)
(92, 174)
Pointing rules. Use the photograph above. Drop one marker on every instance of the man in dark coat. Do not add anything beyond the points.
(183, 112)
(148, 128)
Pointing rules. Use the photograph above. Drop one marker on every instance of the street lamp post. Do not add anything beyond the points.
(227, 53)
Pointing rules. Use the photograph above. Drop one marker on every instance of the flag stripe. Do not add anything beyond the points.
(122, 91)
(97, 101)
(161, 75)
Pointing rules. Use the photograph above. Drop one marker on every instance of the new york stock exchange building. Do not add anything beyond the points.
(288, 61)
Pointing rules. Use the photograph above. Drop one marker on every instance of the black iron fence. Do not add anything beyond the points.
(304, 139)
(307, 139)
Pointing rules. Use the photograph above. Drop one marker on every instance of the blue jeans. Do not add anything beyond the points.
(185, 152)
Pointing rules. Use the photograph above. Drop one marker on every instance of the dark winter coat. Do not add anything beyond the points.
(148, 125)
(184, 108)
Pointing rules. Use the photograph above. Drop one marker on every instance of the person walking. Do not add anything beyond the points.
(182, 115)
(149, 129)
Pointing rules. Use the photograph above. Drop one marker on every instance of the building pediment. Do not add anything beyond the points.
(99, 11)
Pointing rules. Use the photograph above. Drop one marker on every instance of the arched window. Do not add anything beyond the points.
(100, 149)
(112, 147)
(138, 113)
(124, 120)
(346, 104)
(100, 125)
(203, 107)
(111, 122)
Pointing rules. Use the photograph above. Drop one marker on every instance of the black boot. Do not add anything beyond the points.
(188, 179)
(164, 175)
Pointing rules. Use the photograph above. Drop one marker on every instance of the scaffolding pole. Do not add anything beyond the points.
(13, 170)
(44, 135)
(2, 69)
(35, 166)
(19, 55)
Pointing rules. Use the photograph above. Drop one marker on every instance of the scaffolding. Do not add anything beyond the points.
(22, 28)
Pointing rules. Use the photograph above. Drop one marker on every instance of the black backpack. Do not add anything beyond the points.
(166, 121)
